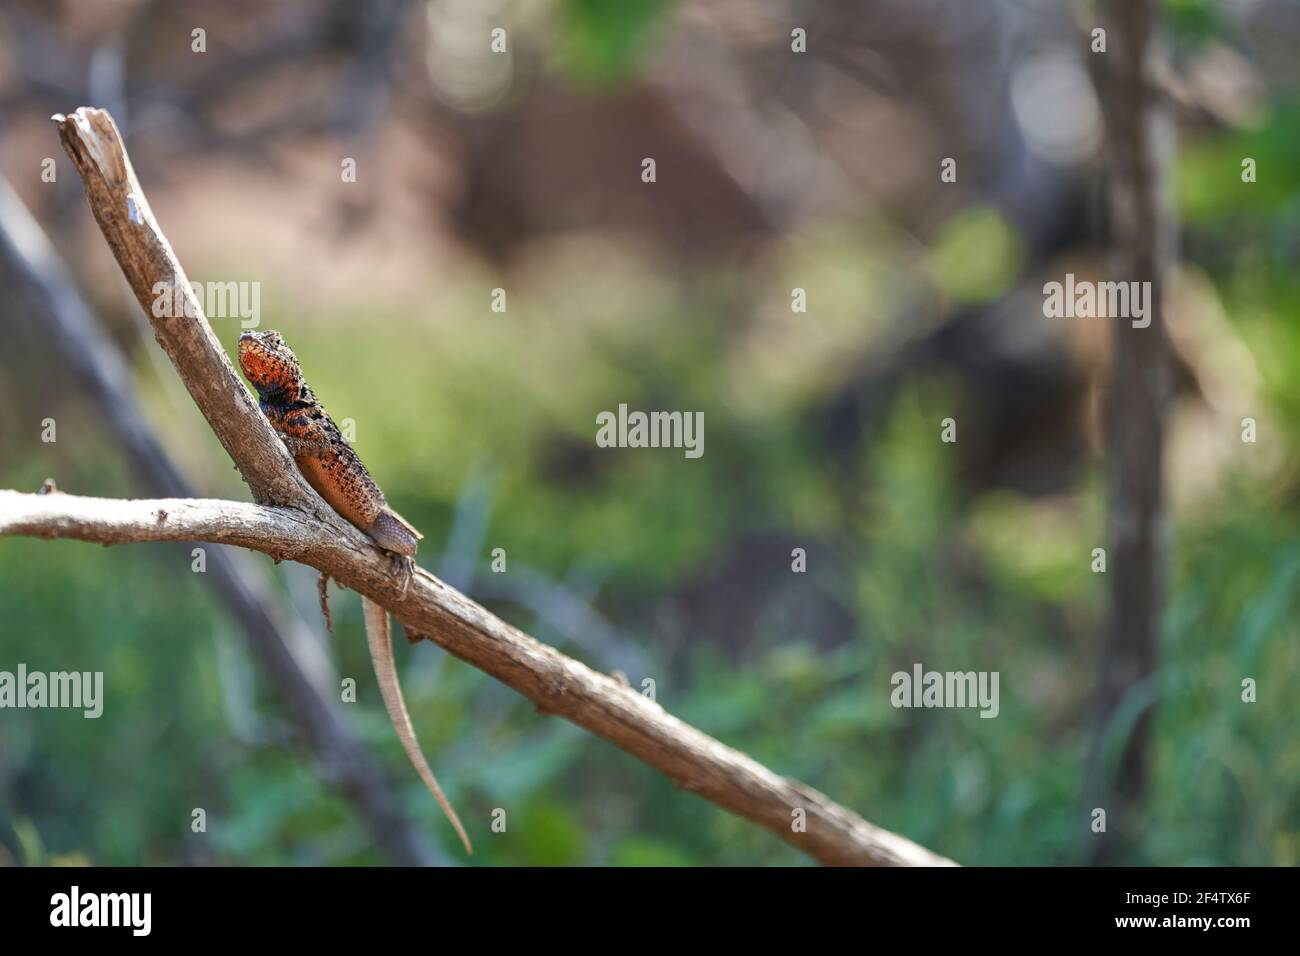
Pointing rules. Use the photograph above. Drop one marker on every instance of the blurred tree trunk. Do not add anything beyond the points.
(1139, 143)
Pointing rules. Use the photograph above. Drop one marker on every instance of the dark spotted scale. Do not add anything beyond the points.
(330, 465)
(323, 455)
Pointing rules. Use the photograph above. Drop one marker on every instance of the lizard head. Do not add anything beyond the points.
(268, 363)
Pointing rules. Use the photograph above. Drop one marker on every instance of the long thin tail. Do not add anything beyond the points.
(379, 637)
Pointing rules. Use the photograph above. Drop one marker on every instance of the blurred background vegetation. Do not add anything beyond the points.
(775, 170)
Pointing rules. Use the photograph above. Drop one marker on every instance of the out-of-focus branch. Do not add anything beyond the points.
(559, 608)
(1139, 144)
(34, 270)
(555, 683)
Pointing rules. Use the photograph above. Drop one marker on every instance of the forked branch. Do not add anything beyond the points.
(292, 523)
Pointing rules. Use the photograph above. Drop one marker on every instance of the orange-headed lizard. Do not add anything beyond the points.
(330, 466)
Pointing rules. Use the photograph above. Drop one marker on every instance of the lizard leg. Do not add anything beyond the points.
(404, 565)
(322, 591)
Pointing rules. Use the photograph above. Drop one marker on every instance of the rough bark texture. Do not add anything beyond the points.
(302, 528)
(91, 139)
(555, 683)
(31, 267)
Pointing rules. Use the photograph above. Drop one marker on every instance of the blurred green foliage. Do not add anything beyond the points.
(120, 789)
(976, 257)
(999, 582)
(600, 43)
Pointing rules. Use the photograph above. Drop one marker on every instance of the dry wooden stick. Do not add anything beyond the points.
(299, 527)
(151, 268)
(32, 272)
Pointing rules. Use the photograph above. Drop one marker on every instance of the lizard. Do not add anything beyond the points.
(334, 469)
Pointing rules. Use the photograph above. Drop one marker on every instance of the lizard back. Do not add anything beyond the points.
(322, 454)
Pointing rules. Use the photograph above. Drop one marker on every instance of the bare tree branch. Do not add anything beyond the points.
(153, 271)
(555, 683)
(32, 267)
(301, 528)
